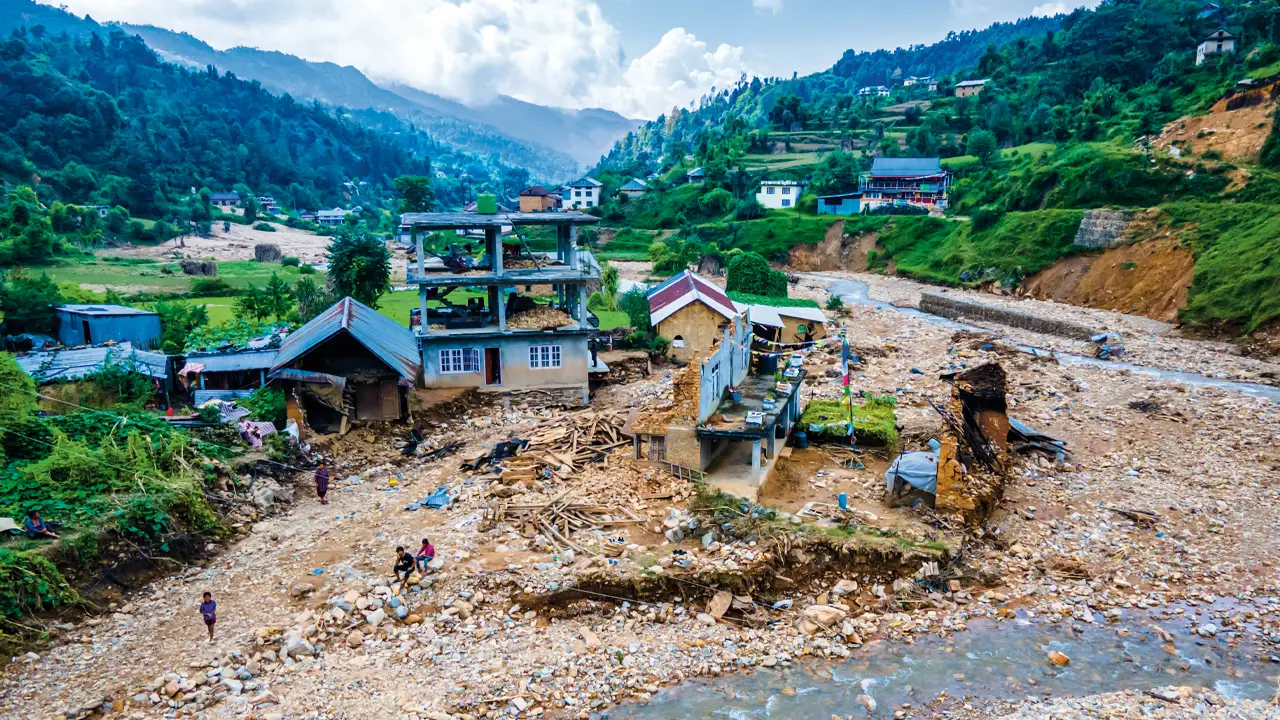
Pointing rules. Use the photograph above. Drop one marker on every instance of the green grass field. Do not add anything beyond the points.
(152, 277)
(783, 161)
(1035, 150)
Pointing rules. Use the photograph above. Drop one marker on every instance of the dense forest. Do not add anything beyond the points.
(105, 121)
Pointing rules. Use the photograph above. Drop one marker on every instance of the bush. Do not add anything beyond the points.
(749, 209)
(596, 302)
(660, 345)
(635, 303)
(211, 287)
(835, 304)
(750, 273)
(290, 261)
(306, 270)
(717, 201)
(266, 405)
(265, 227)
(984, 217)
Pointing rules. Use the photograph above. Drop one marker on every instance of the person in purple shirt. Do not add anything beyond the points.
(209, 611)
(322, 483)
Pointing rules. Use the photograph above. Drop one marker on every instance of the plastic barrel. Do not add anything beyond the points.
(802, 440)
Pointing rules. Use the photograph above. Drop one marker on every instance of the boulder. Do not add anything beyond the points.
(844, 587)
(719, 604)
(819, 618)
(1059, 659)
(355, 639)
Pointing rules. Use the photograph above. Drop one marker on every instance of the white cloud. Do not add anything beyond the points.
(552, 52)
(1050, 9)
(773, 6)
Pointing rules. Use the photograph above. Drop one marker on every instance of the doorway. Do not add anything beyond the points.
(492, 366)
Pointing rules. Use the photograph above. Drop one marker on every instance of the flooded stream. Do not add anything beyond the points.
(855, 292)
(990, 661)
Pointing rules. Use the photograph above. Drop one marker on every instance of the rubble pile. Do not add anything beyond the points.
(540, 318)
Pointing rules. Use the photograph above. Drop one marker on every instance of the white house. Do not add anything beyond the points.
(779, 194)
(584, 193)
(331, 217)
(1219, 43)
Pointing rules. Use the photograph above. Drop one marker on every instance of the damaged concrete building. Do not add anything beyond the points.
(349, 365)
(725, 424)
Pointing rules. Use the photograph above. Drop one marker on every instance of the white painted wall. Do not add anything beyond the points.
(778, 197)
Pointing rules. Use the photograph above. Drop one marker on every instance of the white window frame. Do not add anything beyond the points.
(459, 361)
(545, 357)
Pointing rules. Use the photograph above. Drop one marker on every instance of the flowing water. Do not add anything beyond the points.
(854, 292)
(989, 661)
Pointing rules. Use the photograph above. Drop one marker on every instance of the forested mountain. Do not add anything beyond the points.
(517, 138)
(106, 121)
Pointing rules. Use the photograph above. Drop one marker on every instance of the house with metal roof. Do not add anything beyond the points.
(66, 364)
(350, 364)
(634, 188)
(226, 375)
(96, 324)
(224, 199)
(921, 182)
(849, 203)
(581, 193)
(538, 199)
(787, 325)
(691, 313)
(969, 88)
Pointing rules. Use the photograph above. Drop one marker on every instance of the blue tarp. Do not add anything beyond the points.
(436, 500)
(919, 469)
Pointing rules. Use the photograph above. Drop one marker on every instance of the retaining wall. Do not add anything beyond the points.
(963, 310)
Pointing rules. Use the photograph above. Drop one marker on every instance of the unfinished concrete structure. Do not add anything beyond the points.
(725, 424)
(529, 327)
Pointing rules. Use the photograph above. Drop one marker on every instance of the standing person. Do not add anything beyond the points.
(404, 565)
(322, 483)
(425, 554)
(209, 611)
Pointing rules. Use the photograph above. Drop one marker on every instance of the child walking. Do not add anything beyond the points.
(209, 611)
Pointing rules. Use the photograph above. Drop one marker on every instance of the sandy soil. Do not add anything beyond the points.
(234, 245)
(1237, 134)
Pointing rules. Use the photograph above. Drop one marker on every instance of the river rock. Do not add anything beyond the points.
(355, 639)
(1059, 659)
(719, 604)
(819, 618)
(844, 587)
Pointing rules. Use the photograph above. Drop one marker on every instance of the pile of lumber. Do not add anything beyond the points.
(560, 518)
(561, 446)
(540, 318)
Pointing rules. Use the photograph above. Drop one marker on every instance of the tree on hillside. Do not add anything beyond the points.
(177, 321)
(311, 299)
(635, 303)
(359, 265)
(609, 285)
(18, 401)
(28, 303)
(982, 145)
(415, 193)
(750, 273)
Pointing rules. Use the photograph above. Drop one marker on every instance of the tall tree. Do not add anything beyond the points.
(28, 303)
(415, 193)
(359, 265)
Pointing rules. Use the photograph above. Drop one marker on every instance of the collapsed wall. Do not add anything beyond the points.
(1101, 229)
(974, 461)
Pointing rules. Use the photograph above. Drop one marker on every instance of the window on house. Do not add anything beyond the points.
(577, 193)
(768, 191)
(677, 341)
(786, 203)
(544, 356)
(459, 360)
(588, 203)
(786, 191)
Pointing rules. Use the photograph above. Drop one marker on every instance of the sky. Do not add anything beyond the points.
(639, 58)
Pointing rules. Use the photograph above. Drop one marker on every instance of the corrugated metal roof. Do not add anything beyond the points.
(680, 290)
(804, 313)
(635, 184)
(103, 310)
(232, 362)
(308, 376)
(973, 83)
(384, 337)
(760, 315)
(75, 364)
(905, 167)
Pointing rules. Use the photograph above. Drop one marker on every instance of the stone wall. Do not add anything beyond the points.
(963, 310)
(1101, 228)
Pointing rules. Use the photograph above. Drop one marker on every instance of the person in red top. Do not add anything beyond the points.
(425, 554)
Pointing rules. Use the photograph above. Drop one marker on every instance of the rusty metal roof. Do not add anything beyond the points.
(683, 288)
(384, 337)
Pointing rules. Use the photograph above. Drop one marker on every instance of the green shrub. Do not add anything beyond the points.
(265, 227)
(874, 422)
(266, 405)
(834, 303)
(750, 299)
(211, 287)
(306, 270)
(29, 583)
(290, 261)
(750, 273)
(660, 345)
(596, 302)
(984, 217)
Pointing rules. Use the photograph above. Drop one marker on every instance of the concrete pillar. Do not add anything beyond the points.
(573, 247)
(422, 310)
(582, 306)
(563, 246)
(772, 440)
(417, 246)
(502, 309)
(493, 245)
(755, 455)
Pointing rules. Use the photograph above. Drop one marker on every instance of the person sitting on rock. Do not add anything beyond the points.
(36, 527)
(404, 565)
(425, 555)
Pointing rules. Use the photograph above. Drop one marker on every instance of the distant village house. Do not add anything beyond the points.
(634, 188)
(97, 324)
(538, 199)
(225, 199)
(696, 176)
(584, 193)
(849, 203)
(969, 88)
(779, 194)
(905, 181)
(331, 218)
(1219, 43)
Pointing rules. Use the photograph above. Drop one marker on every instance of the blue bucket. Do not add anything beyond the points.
(802, 440)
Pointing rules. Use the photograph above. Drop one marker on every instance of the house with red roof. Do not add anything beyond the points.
(691, 312)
